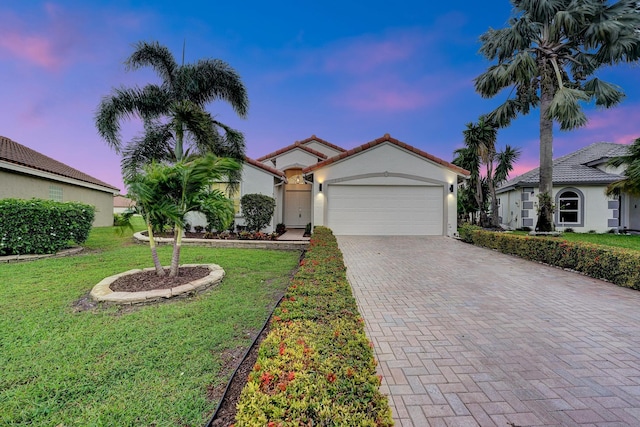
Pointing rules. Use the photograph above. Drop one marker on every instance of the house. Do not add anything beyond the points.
(26, 174)
(383, 187)
(122, 204)
(579, 182)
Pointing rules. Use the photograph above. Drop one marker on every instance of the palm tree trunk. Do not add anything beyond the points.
(495, 221)
(545, 210)
(175, 257)
(480, 201)
(154, 251)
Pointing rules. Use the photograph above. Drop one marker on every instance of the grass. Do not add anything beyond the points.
(627, 241)
(148, 365)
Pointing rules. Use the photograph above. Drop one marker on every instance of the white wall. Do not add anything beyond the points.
(598, 213)
(402, 168)
(324, 149)
(254, 181)
(294, 158)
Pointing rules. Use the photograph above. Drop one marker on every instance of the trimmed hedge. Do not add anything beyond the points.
(316, 366)
(42, 226)
(616, 265)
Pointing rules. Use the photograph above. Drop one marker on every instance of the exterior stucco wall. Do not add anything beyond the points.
(386, 164)
(518, 208)
(13, 185)
(328, 151)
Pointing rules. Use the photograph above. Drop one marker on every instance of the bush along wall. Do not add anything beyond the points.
(316, 366)
(42, 226)
(616, 265)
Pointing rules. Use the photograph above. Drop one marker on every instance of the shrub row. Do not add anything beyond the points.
(616, 265)
(42, 226)
(316, 366)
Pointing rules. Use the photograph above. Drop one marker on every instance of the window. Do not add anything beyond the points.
(55, 193)
(569, 203)
(224, 187)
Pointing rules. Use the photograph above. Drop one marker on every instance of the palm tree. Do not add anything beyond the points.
(631, 183)
(175, 120)
(471, 196)
(549, 55)
(172, 190)
(481, 138)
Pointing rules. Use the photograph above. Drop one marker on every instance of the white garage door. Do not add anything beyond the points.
(385, 210)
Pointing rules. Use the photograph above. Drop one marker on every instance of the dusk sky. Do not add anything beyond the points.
(348, 72)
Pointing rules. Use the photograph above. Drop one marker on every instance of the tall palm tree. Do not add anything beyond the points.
(631, 183)
(175, 120)
(549, 55)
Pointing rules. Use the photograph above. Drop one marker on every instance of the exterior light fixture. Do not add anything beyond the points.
(320, 188)
(451, 188)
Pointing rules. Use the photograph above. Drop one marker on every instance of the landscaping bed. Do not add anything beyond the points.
(316, 365)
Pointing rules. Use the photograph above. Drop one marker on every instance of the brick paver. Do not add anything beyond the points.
(465, 336)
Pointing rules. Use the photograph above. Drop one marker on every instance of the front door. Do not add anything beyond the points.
(297, 205)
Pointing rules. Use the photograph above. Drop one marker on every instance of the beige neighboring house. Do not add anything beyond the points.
(122, 204)
(383, 187)
(26, 174)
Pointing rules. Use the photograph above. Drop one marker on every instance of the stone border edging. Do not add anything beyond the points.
(103, 293)
(290, 245)
(30, 257)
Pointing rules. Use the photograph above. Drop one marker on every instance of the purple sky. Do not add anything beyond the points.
(346, 73)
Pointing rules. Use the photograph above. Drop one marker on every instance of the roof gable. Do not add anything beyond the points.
(386, 139)
(314, 138)
(295, 146)
(18, 154)
(578, 167)
(266, 168)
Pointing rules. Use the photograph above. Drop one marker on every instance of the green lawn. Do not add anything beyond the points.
(110, 366)
(608, 239)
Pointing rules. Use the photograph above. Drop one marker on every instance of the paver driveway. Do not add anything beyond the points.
(466, 336)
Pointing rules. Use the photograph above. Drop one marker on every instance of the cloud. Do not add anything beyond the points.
(44, 40)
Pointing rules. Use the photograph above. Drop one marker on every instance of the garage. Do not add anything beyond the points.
(385, 209)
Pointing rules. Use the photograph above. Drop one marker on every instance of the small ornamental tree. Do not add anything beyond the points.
(257, 210)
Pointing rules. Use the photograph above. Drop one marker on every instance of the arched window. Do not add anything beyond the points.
(569, 208)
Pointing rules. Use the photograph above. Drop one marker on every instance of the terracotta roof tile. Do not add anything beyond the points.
(267, 168)
(389, 139)
(323, 142)
(12, 152)
(293, 146)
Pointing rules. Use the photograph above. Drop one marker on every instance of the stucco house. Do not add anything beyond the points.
(383, 187)
(25, 174)
(579, 182)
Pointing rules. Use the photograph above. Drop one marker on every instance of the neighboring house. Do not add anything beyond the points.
(383, 187)
(26, 174)
(579, 182)
(122, 204)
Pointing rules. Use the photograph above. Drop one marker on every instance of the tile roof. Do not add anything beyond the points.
(323, 142)
(575, 168)
(267, 168)
(301, 145)
(389, 139)
(293, 146)
(12, 152)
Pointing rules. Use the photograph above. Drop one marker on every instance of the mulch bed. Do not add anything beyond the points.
(149, 280)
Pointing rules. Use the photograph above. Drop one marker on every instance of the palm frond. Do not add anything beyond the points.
(154, 55)
(605, 94)
(566, 110)
(506, 160)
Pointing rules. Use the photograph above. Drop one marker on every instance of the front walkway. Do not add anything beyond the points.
(466, 336)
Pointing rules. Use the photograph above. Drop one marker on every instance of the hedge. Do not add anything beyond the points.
(42, 226)
(615, 265)
(316, 365)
